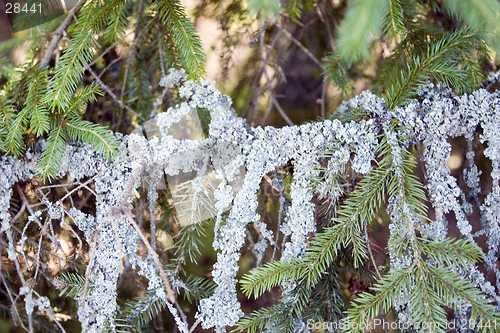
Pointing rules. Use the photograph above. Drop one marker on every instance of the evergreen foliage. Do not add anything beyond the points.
(101, 72)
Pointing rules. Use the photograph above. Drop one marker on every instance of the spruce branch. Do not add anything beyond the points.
(450, 287)
(362, 21)
(56, 35)
(394, 25)
(334, 69)
(52, 151)
(97, 136)
(260, 319)
(7, 112)
(458, 252)
(188, 44)
(439, 61)
(262, 279)
(14, 140)
(37, 110)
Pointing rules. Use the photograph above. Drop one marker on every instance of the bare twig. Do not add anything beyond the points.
(136, 37)
(170, 293)
(299, 44)
(324, 19)
(323, 98)
(95, 235)
(268, 81)
(116, 43)
(109, 65)
(266, 115)
(14, 308)
(196, 323)
(113, 96)
(56, 35)
(19, 271)
(372, 258)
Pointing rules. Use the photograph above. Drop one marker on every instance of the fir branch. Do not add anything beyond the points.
(282, 317)
(70, 284)
(294, 8)
(458, 252)
(262, 279)
(97, 136)
(335, 70)
(188, 44)
(388, 290)
(266, 10)
(449, 286)
(13, 43)
(7, 111)
(53, 149)
(259, 319)
(70, 70)
(440, 58)
(117, 22)
(143, 309)
(80, 100)
(425, 302)
(197, 288)
(78, 55)
(14, 140)
(190, 240)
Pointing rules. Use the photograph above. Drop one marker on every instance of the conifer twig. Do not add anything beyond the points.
(56, 35)
(268, 81)
(113, 96)
(299, 44)
(170, 292)
(11, 300)
(95, 235)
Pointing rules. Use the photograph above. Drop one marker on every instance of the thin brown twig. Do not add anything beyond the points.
(56, 35)
(95, 235)
(372, 258)
(136, 37)
(299, 44)
(324, 19)
(109, 65)
(170, 293)
(23, 207)
(266, 115)
(112, 46)
(12, 300)
(323, 98)
(19, 271)
(268, 81)
(113, 96)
